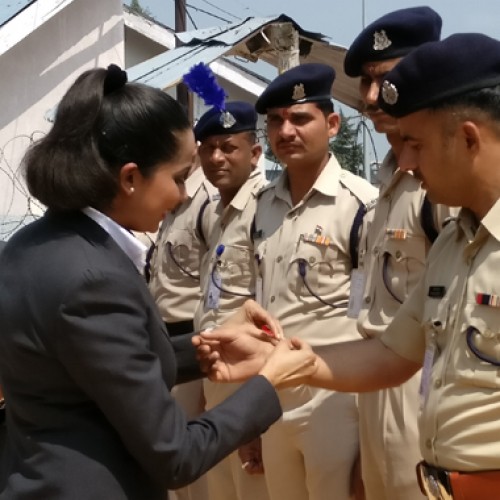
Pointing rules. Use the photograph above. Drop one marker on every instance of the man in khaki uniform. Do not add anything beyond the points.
(446, 97)
(229, 156)
(398, 241)
(175, 286)
(303, 228)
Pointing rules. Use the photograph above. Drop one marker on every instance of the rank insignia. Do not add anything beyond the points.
(390, 93)
(298, 92)
(227, 120)
(396, 234)
(486, 299)
(381, 40)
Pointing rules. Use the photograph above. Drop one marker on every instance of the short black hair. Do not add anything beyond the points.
(95, 133)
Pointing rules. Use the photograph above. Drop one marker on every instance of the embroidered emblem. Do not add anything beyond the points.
(396, 234)
(227, 120)
(486, 299)
(381, 40)
(298, 92)
(389, 93)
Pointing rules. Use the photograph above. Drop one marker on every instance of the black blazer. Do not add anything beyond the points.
(87, 367)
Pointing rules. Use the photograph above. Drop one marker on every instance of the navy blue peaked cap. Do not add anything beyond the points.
(310, 82)
(393, 35)
(213, 121)
(438, 71)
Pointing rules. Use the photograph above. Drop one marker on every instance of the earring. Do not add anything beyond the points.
(132, 189)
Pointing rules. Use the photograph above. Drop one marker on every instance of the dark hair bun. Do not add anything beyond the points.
(115, 79)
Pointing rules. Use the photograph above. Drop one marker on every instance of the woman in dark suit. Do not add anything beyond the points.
(85, 361)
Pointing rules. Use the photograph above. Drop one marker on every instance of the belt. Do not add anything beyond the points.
(440, 484)
(179, 328)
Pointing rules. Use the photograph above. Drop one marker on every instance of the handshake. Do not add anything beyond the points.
(251, 342)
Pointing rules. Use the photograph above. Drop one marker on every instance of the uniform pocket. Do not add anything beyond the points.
(478, 351)
(403, 261)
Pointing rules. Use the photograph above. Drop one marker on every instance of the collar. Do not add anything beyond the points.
(327, 182)
(132, 247)
(194, 181)
(241, 198)
(491, 221)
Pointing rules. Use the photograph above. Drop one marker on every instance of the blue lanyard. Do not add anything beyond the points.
(218, 252)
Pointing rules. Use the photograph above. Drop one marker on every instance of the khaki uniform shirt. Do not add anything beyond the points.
(394, 256)
(459, 423)
(310, 237)
(175, 272)
(231, 227)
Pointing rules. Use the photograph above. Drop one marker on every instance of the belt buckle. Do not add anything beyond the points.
(430, 483)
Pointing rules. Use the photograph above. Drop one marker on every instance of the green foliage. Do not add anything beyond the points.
(135, 6)
(346, 148)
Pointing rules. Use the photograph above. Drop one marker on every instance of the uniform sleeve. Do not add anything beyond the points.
(102, 339)
(405, 335)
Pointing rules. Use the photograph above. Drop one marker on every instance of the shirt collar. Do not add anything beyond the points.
(134, 248)
(241, 198)
(194, 181)
(491, 221)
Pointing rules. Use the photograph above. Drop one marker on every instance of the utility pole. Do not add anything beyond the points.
(183, 96)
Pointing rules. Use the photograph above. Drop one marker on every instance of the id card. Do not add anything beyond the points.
(425, 381)
(356, 293)
(212, 298)
(258, 290)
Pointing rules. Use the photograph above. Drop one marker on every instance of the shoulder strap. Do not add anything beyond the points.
(427, 220)
(199, 221)
(355, 234)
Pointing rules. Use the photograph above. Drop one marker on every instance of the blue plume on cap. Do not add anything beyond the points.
(201, 80)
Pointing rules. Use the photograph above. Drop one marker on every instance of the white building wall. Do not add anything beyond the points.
(36, 72)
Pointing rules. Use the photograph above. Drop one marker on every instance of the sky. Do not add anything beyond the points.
(340, 21)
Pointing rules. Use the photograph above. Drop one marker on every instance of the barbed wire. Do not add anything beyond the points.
(18, 207)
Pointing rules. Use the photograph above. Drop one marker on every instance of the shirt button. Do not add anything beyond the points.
(428, 444)
(438, 383)
(398, 254)
(375, 251)
(312, 260)
(279, 259)
(273, 298)
(368, 299)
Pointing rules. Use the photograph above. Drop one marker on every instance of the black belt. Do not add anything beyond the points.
(179, 328)
(434, 482)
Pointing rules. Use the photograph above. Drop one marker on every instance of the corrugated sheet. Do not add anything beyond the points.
(11, 8)
(241, 39)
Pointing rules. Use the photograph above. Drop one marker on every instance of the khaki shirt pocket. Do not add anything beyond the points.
(477, 358)
(321, 266)
(403, 263)
(237, 270)
(180, 254)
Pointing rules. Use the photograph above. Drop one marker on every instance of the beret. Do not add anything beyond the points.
(239, 117)
(310, 82)
(393, 35)
(437, 71)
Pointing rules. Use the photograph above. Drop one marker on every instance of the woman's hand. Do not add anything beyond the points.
(291, 363)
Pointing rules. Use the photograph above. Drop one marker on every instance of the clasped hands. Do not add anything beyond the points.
(251, 342)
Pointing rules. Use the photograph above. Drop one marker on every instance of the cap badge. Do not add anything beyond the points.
(390, 93)
(227, 120)
(381, 40)
(298, 92)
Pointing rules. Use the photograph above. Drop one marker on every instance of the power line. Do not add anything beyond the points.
(222, 10)
(197, 9)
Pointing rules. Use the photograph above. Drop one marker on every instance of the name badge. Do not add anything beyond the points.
(436, 292)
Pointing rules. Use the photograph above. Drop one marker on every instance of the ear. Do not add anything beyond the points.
(472, 136)
(256, 153)
(333, 120)
(129, 178)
